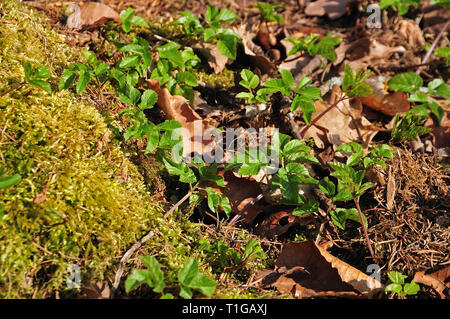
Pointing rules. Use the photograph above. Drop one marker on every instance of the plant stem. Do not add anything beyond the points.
(306, 128)
(356, 200)
(435, 42)
(16, 87)
(181, 201)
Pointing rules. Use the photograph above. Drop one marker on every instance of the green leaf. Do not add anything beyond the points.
(383, 151)
(443, 53)
(181, 169)
(28, 70)
(353, 148)
(67, 79)
(406, 82)
(438, 87)
(137, 278)
(167, 296)
(327, 187)
(325, 48)
(154, 273)
(341, 215)
(148, 99)
(119, 76)
(287, 78)
(295, 146)
(189, 277)
(90, 57)
(211, 14)
(169, 125)
(226, 15)
(227, 46)
(343, 196)
(136, 20)
(411, 289)
(125, 17)
(396, 277)
(306, 105)
(203, 284)
(311, 206)
(42, 72)
(1, 212)
(42, 84)
(187, 77)
(249, 169)
(130, 61)
(9, 181)
(394, 288)
(83, 81)
(151, 131)
(209, 34)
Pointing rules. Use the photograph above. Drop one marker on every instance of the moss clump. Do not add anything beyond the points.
(80, 200)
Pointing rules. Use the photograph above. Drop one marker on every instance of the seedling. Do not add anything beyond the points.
(188, 278)
(267, 12)
(399, 286)
(310, 44)
(33, 76)
(411, 125)
(401, 6)
(128, 19)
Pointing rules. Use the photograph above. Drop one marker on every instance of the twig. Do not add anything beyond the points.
(243, 210)
(435, 42)
(16, 87)
(306, 128)
(179, 203)
(356, 200)
(125, 258)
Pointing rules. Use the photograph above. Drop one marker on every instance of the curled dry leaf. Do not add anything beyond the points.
(211, 53)
(389, 104)
(254, 53)
(334, 9)
(280, 222)
(194, 127)
(439, 281)
(308, 271)
(342, 124)
(412, 33)
(241, 191)
(90, 15)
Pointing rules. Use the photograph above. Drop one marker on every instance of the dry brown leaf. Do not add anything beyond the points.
(254, 53)
(389, 104)
(278, 223)
(211, 53)
(176, 108)
(342, 124)
(334, 9)
(439, 281)
(307, 270)
(440, 132)
(412, 33)
(91, 15)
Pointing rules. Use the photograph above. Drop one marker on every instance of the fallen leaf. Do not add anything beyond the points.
(440, 132)
(279, 223)
(439, 281)
(211, 53)
(308, 271)
(241, 191)
(342, 124)
(194, 127)
(334, 9)
(91, 15)
(389, 104)
(412, 33)
(253, 52)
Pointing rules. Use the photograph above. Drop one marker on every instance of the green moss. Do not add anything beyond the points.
(224, 79)
(81, 200)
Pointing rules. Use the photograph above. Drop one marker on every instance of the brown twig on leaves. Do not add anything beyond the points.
(243, 210)
(435, 42)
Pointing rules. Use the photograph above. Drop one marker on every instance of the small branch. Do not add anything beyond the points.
(435, 42)
(125, 258)
(181, 201)
(243, 210)
(306, 128)
(364, 228)
(16, 87)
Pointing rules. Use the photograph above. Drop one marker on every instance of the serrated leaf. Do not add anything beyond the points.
(327, 187)
(227, 46)
(137, 278)
(136, 20)
(406, 82)
(148, 99)
(130, 61)
(155, 274)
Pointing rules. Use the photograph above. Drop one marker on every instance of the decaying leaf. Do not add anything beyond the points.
(307, 270)
(389, 104)
(439, 281)
(278, 223)
(334, 9)
(342, 124)
(91, 15)
(254, 53)
(240, 191)
(211, 53)
(194, 127)
(412, 33)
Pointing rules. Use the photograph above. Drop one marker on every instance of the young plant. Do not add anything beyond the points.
(401, 6)
(227, 39)
(6, 182)
(302, 96)
(399, 286)
(267, 12)
(33, 76)
(188, 278)
(310, 44)
(129, 19)
(411, 125)
(350, 182)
